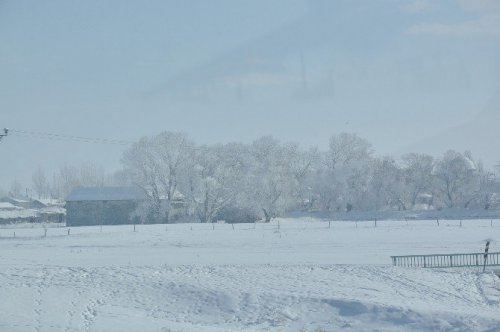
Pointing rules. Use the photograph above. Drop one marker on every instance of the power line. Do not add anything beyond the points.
(68, 138)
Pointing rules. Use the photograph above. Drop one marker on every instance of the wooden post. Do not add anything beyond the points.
(437, 221)
(329, 226)
(491, 222)
(68, 230)
(134, 226)
(486, 254)
(375, 222)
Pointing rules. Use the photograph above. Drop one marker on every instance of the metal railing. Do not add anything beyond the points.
(448, 260)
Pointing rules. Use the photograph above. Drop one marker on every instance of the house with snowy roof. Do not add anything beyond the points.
(24, 202)
(87, 206)
(10, 213)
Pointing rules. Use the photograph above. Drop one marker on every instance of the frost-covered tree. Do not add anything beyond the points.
(346, 175)
(217, 181)
(417, 173)
(157, 165)
(486, 188)
(455, 179)
(270, 179)
(301, 165)
(385, 185)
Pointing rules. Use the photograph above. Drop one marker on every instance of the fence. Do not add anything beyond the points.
(448, 260)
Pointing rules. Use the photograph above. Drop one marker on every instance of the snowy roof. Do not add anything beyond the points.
(8, 206)
(18, 214)
(50, 201)
(20, 200)
(106, 194)
(53, 210)
(12, 200)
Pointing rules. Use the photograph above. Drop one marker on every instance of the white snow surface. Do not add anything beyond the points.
(299, 276)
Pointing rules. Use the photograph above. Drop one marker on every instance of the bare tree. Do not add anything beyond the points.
(68, 179)
(40, 183)
(15, 189)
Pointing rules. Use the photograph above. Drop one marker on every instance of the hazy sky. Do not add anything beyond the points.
(395, 72)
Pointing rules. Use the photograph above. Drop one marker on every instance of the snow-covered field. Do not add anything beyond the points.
(299, 276)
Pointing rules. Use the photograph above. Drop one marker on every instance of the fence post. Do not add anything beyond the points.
(375, 222)
(437, 220)
(329, 223)
(486, 254)
(68, 230)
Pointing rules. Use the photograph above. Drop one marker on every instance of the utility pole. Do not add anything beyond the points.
(5, 133)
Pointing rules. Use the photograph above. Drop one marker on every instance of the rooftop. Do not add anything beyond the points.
(106, 194)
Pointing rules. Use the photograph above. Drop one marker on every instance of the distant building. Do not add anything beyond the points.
(24, 202)
(25, 209)
(86, 206)
(10, 213)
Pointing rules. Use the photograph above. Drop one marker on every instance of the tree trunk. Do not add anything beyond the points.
(266, 215)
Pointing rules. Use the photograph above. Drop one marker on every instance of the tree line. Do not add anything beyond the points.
(266, 178)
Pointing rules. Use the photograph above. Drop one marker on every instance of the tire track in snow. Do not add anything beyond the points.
(41, 284)
(73, 304)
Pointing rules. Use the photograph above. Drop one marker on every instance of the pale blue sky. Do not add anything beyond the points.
(395, 72)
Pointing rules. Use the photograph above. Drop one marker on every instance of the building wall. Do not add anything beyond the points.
(88, 213)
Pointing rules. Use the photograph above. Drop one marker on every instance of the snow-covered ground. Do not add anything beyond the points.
(299, 276)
